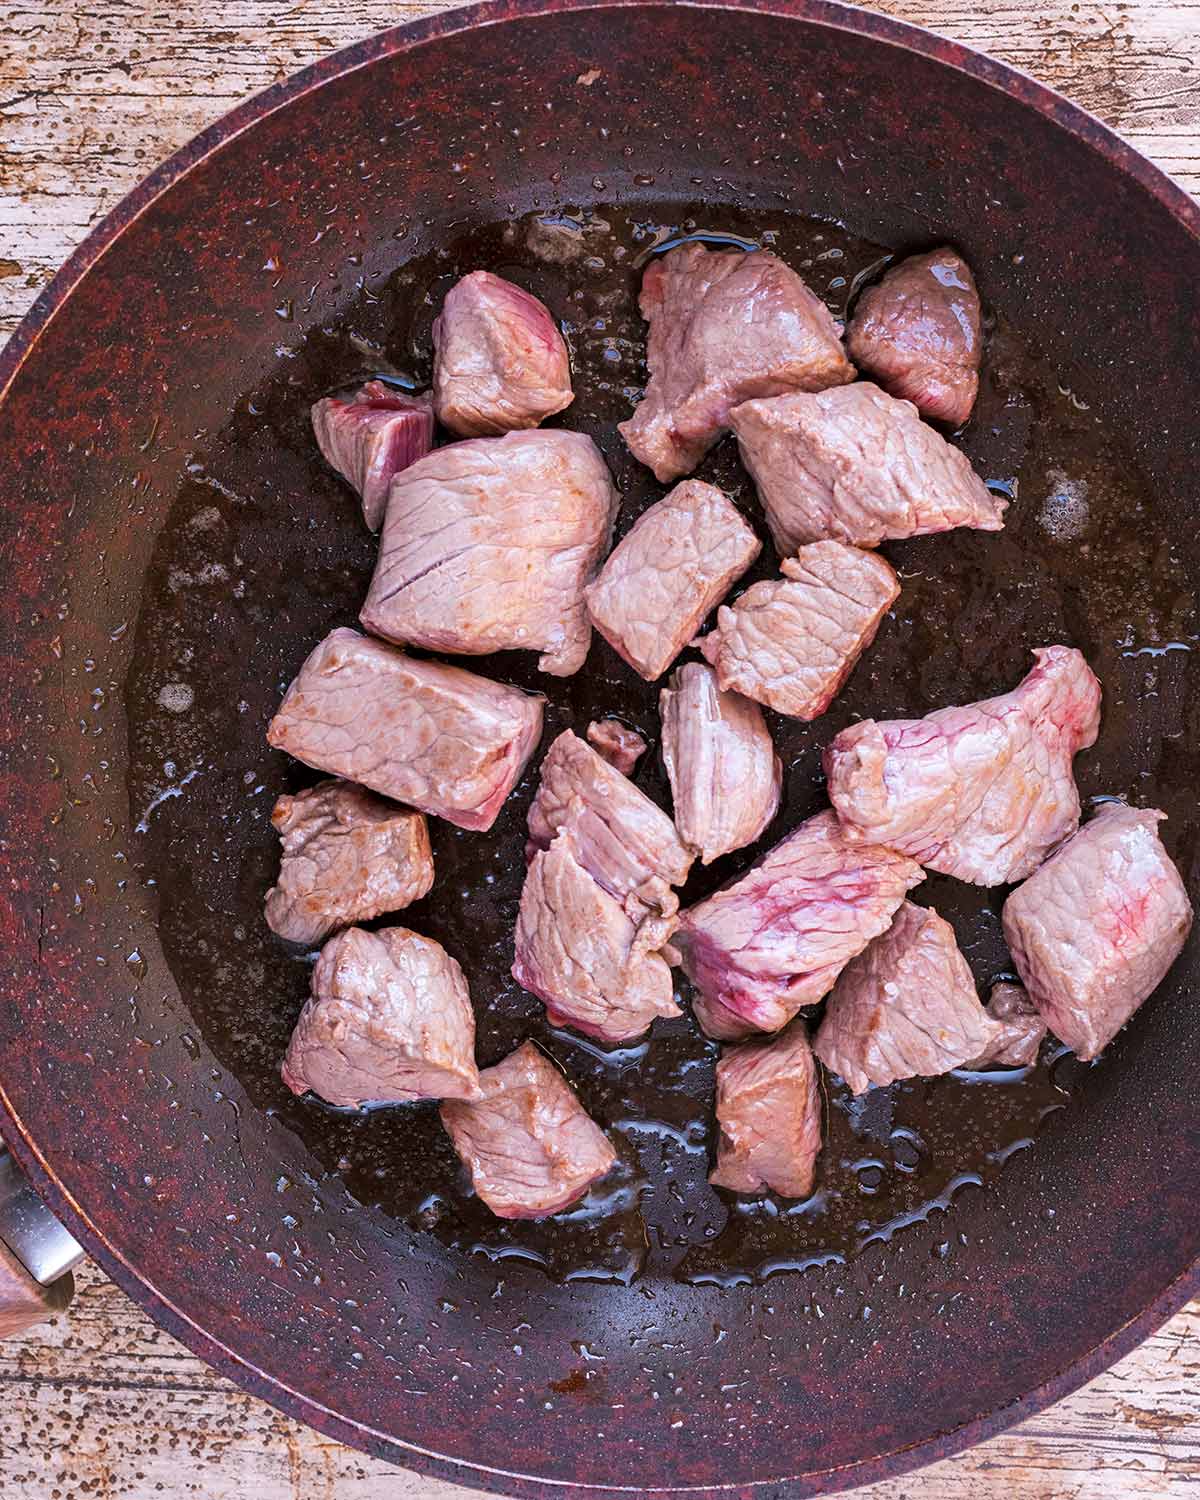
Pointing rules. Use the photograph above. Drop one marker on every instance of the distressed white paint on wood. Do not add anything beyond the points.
(92, 96)
(102, 1404)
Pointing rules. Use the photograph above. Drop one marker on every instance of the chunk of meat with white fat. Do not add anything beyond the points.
(371, 438)
(776, 939)
(530, 1146)
(624, 841)
(917, 333)
(500, 362)
(389, 1021)
(487, 546)
(724, 773)
(347, 856)
(1021, 1029)
(791, 643)
(725, 326)
(620, 746)
(1094, 931)
(769, 1113)
(442, 740)
(905, 1008)
(595, 962)
(981, 792)
(665, 575)
(858, 466)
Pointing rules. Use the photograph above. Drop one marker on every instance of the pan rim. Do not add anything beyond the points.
(831, 15)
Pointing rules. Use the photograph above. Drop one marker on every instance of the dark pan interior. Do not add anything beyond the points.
(156, 428)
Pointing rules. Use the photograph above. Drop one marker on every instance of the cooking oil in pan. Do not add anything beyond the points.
(265, 552)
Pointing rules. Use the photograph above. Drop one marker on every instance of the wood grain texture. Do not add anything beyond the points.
(102, 1404)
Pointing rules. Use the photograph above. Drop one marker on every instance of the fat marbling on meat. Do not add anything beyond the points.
(792, 642)
(769, 1113)
(982, 792)
(858, 466)
(725, 326)
(389, 1021)
(371, 437)
(620, 746)
(724, 773)
(347, 856)
(665, 575)
(623, 839)
(487, 546)
(500, 363)
(596, 962)
(906, 1007)
(1022, 1029)
(917, 333)
(442, 740)
(776, 939)
(1094, 931)
(530, 1147)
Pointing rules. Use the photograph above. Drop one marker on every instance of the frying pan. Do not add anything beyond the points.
(166, 1143)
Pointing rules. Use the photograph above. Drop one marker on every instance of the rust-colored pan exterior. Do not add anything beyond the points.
(156, 1156)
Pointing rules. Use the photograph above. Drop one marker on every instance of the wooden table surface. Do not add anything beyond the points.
(101, 1403)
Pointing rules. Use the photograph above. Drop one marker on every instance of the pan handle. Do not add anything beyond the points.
(37, 1254)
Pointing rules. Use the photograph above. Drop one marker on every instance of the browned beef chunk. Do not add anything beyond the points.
(917, 333)
(488, 545)
(528, 1143)
(859, 466)
(500, 362)
(769, 1111)
(347, 856)
(725, 326)
(624, 841)
(620, 746)
(667, 573)
(792, 642)
(442, 740)
(905, 1007)
(594, 961)
(1094, 931)
(725, 775)
(982, 792)
(370, 438)
(389, 1021)
(1019, 1039)
(776, 939)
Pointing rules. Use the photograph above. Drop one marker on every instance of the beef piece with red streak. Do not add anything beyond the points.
(500, 362)
(1094, 931)
(371, 438)
(982, 792)
(620, 746)
(777, 938)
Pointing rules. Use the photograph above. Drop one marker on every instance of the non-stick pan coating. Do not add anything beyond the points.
(276, 1238)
